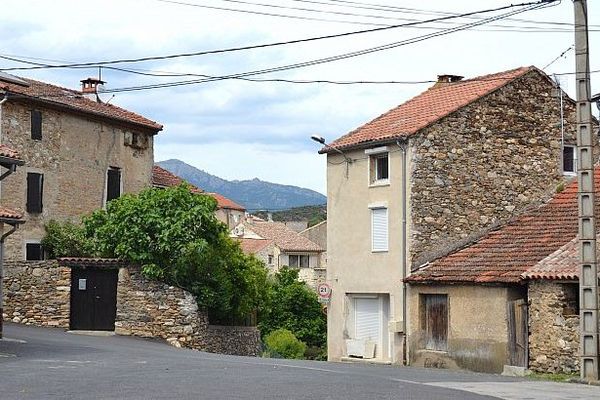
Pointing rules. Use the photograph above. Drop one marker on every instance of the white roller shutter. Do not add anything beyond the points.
(379, 229)
(367, 318)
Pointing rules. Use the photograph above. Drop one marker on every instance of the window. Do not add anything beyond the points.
(434, 321)
(570, 299)
(34, 252)
(113, 183)
(299, 260)
(569, 159)
(35, 189)
(379, 229)
(379, 169)
(270, 259)
(36, 124)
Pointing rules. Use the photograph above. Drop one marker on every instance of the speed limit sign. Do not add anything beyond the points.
(324, 292)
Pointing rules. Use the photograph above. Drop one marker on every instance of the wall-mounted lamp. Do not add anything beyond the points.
(596, 99)
(320, 139)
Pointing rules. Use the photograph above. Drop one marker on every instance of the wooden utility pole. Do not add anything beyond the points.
(588, 268)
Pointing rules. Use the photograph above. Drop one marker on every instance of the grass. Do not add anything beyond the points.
(552, 377)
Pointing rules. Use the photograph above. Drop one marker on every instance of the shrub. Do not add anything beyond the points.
(67, 239)
(284, 343)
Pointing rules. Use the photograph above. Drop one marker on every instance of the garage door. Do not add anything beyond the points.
(93, 299)
(367, 318)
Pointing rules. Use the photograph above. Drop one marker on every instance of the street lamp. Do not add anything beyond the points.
(321, 140)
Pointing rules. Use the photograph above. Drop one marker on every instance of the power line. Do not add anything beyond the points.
(234, 49)
(560, 56)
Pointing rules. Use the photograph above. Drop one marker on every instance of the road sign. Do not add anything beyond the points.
(324, 292)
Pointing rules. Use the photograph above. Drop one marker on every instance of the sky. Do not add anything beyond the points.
(240, 129)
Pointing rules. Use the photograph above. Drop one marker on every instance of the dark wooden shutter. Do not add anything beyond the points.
(113, 184)
(436, 322)
(34, 252)
(35, 189)
(36, 124)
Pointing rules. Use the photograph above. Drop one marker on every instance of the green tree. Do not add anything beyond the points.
(66, 239)
(282, 342)
(295, 307)
(174, 236)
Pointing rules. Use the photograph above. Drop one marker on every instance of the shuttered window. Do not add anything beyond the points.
(34, 252)
(113, 184)
(36, 124)
(379, 229)
(35, 190)
(434, 321)
(367, 317)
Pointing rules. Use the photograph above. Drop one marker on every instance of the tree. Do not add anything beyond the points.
(174, 236)
(295, 307)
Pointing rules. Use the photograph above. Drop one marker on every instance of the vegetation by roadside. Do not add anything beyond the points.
(552, 377)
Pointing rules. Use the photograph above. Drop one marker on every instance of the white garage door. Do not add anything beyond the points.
(368, 319)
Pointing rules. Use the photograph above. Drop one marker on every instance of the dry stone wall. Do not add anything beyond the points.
(553, 328)
(484, 163)
(38, 293)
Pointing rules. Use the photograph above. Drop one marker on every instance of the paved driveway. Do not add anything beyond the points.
(41, 363)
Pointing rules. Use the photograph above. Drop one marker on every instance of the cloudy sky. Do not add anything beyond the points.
(239, 129)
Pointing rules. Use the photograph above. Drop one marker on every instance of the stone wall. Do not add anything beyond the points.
(73, 155)
(553, 327)
(484, 163)
(312, 276)
(38, 293)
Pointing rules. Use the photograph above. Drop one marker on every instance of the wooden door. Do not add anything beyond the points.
(93, 299)
(518, 334)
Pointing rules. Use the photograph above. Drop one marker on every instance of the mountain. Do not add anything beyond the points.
(253, 194)
(312, 214)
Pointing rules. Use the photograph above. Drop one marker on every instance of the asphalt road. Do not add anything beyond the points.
(42, 363)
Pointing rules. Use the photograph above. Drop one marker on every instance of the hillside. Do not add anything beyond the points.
(312, 214)
(253, 194)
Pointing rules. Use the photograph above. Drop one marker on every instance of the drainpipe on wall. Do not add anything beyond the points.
(403, 147)
(2, 238)
(2, 102)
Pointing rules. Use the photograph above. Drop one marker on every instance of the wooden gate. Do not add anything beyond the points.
(93, 299)
(518, 335)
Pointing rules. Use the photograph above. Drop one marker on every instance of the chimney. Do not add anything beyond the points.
(446, 79)
(89, 88)
(270, 217)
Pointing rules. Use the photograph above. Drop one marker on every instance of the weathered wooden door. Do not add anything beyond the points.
(517, 333)
(93, 299)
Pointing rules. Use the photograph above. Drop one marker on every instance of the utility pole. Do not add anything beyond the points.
(588, 268)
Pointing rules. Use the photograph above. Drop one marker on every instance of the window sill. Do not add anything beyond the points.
(568, 173)
(379, 251)
(380, 183)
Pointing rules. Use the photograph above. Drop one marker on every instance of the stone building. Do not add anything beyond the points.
(228, 211)
(279, 246)
(426, 178)
(79, 153)
(510, 298)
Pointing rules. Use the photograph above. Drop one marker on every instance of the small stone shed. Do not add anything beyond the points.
(44, 293)
(510, 298)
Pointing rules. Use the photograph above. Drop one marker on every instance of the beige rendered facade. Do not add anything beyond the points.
(359, 276)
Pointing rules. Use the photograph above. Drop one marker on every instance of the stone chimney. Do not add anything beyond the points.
(447, 79)
(89, 88)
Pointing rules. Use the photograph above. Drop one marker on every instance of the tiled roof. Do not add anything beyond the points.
(563, 264)
(253, 246)
(164, 179)
(503, 255)
(283, 237)
(426, 108)
(73, 99)
(7, 152)
(91, 261)
(9, 213)
(224, 202)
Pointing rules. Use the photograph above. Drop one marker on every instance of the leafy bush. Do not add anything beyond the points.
(292, 305)
(174, 236)
(283, 342)
(67, 239)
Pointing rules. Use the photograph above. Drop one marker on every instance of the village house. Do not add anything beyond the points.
(228, 211)
(279, 246)
(511, 298)
(79, 153)
(426, 178)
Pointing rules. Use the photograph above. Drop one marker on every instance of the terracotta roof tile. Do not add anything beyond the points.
(224, 202)
(253, 246)
(504, 255)
(52, 94)
(283, 237)
(426, 108)
(562, 264)
(8, 213)
(164, 179)
(91, 261)
(7, 152)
